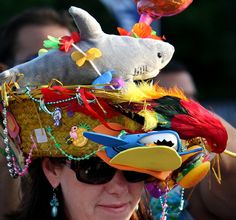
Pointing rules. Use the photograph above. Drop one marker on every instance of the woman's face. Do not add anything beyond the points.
(115, 200)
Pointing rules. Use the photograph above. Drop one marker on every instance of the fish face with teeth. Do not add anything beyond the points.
(127, 149)
(155, 150)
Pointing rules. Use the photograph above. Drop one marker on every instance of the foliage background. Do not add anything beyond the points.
(204, 36)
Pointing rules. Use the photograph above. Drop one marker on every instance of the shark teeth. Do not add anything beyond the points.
(164, 142)
(141, 70)
(166, 139)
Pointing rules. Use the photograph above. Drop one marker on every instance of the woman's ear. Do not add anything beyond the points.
(52, 172)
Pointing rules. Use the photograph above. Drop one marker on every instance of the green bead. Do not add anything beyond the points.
(57, 145)
(54, 211)
(70, 157)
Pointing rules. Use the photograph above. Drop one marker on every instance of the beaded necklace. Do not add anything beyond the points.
(14, 168)
(168, 209)
(9, 156)
(77, 96)
(69, 156)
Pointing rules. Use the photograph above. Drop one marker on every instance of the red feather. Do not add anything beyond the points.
(199, 122)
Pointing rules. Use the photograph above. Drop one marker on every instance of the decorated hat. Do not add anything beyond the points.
(79, 99)
(119, 127)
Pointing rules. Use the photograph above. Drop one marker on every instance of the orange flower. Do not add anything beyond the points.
(140, 30)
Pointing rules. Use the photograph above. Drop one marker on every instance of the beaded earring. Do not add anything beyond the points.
(54, 204)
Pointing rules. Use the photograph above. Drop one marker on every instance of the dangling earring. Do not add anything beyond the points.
(54, 203)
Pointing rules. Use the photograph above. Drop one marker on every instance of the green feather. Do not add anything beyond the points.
(169, 106)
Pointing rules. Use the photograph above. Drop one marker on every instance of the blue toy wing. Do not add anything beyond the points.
(104, 139)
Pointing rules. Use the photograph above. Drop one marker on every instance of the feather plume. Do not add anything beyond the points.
(140, 93)
(146, 91)
(133, 93)
(190, 120)
(150, 119)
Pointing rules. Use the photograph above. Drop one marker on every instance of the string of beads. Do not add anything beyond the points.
(69, 156)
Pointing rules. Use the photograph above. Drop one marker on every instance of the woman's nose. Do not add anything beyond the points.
(118, 184)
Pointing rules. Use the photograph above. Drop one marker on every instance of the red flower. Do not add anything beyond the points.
(67, 41)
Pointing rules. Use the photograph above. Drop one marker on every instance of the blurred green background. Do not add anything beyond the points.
(204, 37)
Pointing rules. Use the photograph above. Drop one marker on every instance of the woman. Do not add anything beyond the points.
(88, 189)
(91, 161)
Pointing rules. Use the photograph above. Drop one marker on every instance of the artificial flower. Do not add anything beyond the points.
(51, 43)
(67, 42)
(89, 55)
(140, 30)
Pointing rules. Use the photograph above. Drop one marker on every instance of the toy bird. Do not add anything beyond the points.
(190, 119)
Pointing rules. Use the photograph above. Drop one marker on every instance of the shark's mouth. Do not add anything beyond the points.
(140, 70)
(143, 72)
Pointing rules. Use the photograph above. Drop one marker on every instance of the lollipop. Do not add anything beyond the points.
(154, 9)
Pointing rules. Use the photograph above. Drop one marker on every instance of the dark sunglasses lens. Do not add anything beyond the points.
(134, 177)
(94, 171)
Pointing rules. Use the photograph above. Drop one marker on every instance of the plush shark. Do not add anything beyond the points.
(130, 58)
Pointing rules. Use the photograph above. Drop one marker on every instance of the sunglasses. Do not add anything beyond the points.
(95, 171)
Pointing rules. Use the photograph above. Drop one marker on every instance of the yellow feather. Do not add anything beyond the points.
(155, 91)
(132, 93)
(141, 92)
(150, 119)
(174, 91)
(145, 90)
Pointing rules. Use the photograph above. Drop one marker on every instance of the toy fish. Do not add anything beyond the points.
(130, 58)
(163, 148)
(115, 145)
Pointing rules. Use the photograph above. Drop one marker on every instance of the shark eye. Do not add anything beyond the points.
(159, 55)
(166, 139)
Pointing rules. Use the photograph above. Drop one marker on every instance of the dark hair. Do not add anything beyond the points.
(34, 16)
(37, 194)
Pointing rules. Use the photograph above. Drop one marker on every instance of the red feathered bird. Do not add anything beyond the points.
(190, 120)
